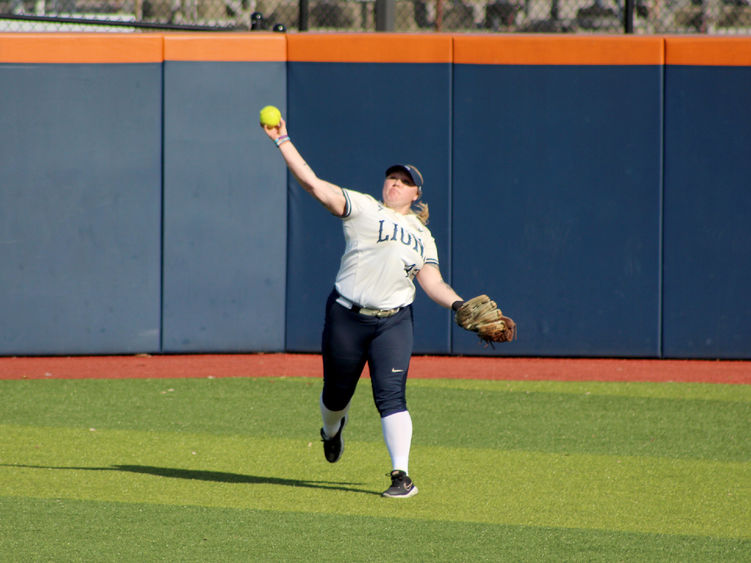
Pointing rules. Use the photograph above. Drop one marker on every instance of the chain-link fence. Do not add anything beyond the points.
(506, 16)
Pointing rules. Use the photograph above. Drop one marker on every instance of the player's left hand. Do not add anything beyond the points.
(482, 316)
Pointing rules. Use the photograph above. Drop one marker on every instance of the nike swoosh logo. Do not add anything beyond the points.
(396, 370)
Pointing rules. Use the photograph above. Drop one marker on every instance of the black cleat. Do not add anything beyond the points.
(401, 486)
(334, 447)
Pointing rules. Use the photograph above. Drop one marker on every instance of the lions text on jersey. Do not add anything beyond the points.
(384, 252)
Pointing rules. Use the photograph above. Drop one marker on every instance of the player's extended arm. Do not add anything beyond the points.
(432, 283)
(330, 195)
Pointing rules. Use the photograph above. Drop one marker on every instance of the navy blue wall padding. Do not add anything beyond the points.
(350, 122)
(707, 265)
(557, 205)
(225, 209)
(80, 208)
(606, 208)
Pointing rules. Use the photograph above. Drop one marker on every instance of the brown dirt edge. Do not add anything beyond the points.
(309, 365)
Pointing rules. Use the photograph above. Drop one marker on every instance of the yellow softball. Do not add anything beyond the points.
(270, 116)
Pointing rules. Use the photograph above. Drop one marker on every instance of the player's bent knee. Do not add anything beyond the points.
(391, 408)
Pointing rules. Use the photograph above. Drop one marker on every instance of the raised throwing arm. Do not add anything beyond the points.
(328, 194)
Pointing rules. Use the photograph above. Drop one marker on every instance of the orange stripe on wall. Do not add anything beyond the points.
(557, 50)
(708, 51)
(80, 48)
(369, 48)
(255, 46)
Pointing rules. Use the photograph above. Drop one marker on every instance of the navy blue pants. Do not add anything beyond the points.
(350, 340)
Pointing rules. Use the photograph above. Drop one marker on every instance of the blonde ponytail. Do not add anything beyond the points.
(422, 212)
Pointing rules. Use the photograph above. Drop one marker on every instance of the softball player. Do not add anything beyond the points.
(369, 311)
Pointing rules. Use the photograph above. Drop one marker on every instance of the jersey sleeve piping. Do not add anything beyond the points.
(347, 204)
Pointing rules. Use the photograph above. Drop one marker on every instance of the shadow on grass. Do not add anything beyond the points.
(211, 476)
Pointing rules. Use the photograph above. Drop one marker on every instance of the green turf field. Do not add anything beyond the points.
(233, 470)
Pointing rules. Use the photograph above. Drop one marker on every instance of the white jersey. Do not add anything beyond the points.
(384, 251)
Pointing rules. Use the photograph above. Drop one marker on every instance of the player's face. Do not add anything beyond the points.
(399, 192)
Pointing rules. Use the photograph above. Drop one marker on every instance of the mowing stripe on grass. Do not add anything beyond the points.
(633, 494)
(595, 418)
(70, 530)
(664, 390)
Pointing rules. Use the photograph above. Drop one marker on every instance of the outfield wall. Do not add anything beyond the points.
(707, 198)
(596, 186)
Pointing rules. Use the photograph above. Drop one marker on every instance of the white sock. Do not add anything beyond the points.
(332, 419)
(397, 433)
